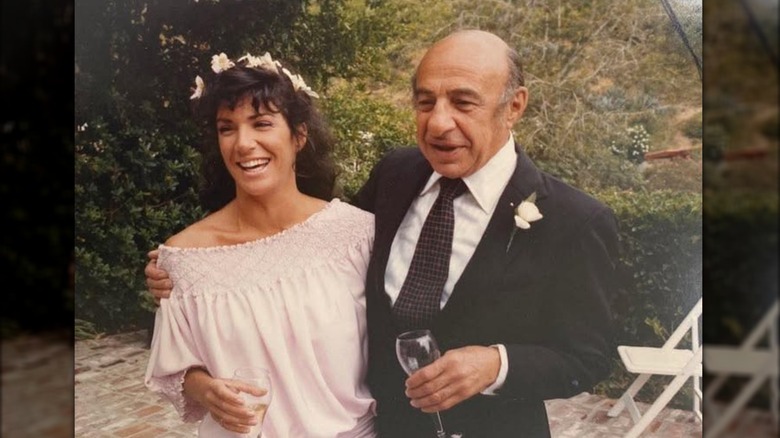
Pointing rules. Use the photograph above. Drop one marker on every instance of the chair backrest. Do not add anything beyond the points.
(766, 327)
(690, 322)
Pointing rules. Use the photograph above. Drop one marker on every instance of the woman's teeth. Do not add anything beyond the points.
(254, 164)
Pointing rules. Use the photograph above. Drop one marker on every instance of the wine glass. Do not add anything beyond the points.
(416, 349)
(257, 377)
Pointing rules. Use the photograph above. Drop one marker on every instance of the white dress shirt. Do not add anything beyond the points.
(472, 211)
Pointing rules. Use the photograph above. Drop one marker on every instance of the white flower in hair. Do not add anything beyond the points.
(220, 63)
(299, 84)
(265, 62)
(199, 87)
(250, 60)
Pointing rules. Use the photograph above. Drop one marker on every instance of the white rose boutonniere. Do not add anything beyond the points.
(525, 213)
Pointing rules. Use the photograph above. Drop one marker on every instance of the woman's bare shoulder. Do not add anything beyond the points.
(202, 233)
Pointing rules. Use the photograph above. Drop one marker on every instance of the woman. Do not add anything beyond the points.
(274, 277)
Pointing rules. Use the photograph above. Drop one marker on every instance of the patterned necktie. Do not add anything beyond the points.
(418, 302)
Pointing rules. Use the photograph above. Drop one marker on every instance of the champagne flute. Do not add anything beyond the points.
(258, 377)
(416, 349)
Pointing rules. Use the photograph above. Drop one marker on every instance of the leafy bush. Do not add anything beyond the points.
(365, 129)
(632, 144)
(661, 269)
(136, 188)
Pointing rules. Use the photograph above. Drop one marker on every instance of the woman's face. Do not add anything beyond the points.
(258, 148)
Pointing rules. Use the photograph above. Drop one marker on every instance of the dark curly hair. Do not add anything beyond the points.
(315, 171)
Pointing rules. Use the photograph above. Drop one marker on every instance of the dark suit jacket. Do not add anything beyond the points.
(545, 298)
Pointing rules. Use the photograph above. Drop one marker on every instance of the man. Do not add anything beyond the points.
(521, 314)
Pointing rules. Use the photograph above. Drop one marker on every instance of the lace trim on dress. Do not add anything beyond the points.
(267, 239)
(172, 388)
(337, 238)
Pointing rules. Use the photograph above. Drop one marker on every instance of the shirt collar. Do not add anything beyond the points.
(487, 183)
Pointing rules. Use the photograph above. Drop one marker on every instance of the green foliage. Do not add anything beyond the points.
(632, 144)
(365, 129)
(661, 269)
(84, 330)
(136, 187)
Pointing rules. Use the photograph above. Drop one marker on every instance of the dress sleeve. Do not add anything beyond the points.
(361, 233)
(173, 352)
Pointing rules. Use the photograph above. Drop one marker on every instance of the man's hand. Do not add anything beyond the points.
(157, 279)
(458, 375)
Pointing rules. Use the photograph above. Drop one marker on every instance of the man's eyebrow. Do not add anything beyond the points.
(422, 91)
(457, 92)
(465, 92)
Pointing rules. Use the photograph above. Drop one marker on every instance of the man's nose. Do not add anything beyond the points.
(440, 120)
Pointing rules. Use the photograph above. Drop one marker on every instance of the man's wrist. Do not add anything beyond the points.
(503, 368)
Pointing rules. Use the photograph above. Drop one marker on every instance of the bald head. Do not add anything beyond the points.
(484, 49)
(466, 101)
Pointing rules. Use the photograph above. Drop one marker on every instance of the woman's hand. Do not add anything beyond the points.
(221, 398)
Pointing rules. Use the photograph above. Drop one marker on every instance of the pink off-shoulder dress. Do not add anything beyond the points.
(293, 303)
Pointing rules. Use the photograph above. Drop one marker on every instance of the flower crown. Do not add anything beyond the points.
(221, 62)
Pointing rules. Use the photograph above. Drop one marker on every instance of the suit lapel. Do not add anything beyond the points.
(492, 254)
(397, 196)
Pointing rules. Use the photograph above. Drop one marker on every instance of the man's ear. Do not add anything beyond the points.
(516, 106)
(301, 135)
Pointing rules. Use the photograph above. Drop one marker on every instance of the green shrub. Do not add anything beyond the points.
(633, 143)
(661, 269)
(136, 188)
(365, 129)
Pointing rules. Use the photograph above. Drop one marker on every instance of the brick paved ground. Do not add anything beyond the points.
(111, 400)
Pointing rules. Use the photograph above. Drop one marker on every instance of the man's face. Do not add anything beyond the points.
(461, 122)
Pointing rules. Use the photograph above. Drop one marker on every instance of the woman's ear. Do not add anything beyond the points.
(301, 135)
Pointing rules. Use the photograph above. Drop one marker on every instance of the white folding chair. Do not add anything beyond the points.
(746, 360)
(667, 360)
